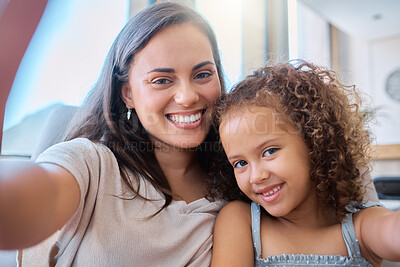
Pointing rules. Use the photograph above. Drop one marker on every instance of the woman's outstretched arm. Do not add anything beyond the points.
(233, 245)
(35, 201)
(378, 229)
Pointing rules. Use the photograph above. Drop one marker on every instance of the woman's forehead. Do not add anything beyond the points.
(174, 45)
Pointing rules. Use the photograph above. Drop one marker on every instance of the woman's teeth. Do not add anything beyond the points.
(272, 191)
(185, 119)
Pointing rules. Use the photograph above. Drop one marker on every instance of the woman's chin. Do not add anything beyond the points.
(178, 145)
(187, 145)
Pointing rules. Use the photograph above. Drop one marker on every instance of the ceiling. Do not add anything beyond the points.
(365, 19)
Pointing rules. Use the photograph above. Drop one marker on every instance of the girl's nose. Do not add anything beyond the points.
(186, 95)
(258, 174)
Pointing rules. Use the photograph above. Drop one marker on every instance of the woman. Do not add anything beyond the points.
(133, 185)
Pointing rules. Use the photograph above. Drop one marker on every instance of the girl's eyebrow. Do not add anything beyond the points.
(259, 147)
(267, 143)
(233, 158)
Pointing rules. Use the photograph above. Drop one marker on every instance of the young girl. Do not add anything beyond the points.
(296, 144)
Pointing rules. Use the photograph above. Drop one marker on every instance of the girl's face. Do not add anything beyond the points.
(269, 157)
(172, 85)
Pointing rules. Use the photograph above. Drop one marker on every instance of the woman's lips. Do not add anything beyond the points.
(187, 120)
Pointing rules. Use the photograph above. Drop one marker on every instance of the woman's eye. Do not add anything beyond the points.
(203, 75)
(270, 151)
(162, 81)
(239, 164)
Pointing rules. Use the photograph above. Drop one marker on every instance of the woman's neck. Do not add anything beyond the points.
(182, 171)
(175, 160)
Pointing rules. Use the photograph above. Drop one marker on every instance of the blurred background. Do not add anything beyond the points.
(360, 39)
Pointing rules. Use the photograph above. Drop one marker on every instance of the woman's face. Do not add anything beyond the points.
(172, 85)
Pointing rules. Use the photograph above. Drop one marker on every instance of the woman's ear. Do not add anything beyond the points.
(127, 96)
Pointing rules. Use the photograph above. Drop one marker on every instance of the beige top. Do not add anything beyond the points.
(109, 231)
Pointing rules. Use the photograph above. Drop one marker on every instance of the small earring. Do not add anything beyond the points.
(128, 114)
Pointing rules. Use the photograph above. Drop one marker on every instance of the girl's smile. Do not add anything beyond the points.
(270, 193)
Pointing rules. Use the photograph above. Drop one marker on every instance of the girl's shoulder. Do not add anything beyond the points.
(237, 206)
(368, 216)
(365, 214)
(237, 209)
(233, 243)
(372, 226)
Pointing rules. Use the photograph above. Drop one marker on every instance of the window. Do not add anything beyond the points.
(61, 63)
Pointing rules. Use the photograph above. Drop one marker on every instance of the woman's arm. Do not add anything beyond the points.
(378, 229)
(35, 201)
(233, 245)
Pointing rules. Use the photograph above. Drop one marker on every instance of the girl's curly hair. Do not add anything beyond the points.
(325, 112)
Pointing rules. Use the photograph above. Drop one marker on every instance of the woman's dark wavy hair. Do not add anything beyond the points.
(327, 115)
(102, 117)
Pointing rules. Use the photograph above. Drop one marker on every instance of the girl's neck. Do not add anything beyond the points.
(311, 213)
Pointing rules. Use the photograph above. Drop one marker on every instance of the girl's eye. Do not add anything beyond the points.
(203, 75)
(270, 151)
(239, 164)
(162, 81)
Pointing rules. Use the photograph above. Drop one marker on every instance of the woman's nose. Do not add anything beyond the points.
(258, 174)
(186, 95)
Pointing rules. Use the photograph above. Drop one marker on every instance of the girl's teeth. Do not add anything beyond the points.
(272, 191)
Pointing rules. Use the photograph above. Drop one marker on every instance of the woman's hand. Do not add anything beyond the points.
(35, 201)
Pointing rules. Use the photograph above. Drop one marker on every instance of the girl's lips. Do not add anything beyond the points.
(269, 188)
(271, 193)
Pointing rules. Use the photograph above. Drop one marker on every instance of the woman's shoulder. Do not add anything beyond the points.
(83, 143)
(79, 145)
(78, 151)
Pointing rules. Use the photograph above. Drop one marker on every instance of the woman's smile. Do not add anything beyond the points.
(186, 120)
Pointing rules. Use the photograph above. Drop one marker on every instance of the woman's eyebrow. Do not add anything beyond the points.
(169, 70)
(201, 65)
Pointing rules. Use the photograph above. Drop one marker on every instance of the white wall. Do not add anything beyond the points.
(361, 62)
(385, 58)
(240, 29)
(313, 37)
(225, 16)
(367, 64)
(65, 55)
